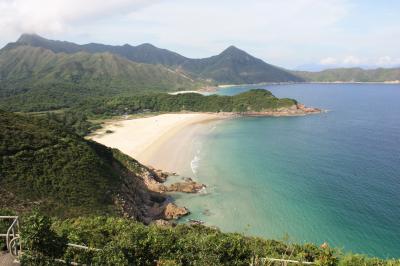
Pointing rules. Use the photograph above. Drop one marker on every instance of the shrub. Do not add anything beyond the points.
(39, 239)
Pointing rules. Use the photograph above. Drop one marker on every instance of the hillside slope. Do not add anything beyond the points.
(45, 166)
(39, 79)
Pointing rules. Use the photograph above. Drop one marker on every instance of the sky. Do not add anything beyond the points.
(296, 34)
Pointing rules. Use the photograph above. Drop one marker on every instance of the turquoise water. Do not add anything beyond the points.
(331, 177)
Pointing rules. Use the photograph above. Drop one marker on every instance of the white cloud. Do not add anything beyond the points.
(256, 24)
(352, 60)
(52, 17)
(328, 61)
(387, 61)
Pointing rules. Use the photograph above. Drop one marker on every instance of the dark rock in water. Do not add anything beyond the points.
(186, 187)
(195, 222)
(206, 212)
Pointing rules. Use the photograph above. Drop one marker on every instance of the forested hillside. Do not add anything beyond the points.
(46, 165)
(34, 79)
(256, 100)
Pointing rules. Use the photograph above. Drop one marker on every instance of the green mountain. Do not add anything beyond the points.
(231, 66)
(234, 66)
(144, 53)
(34, 78)
(351, 75)
(45, 165)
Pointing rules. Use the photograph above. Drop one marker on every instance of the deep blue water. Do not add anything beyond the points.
(331, 177)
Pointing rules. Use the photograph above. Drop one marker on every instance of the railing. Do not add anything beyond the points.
(12, 235)
(283, 261)
(14, 246)
(13, 242)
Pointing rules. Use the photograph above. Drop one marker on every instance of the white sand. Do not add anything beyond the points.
(162, 141)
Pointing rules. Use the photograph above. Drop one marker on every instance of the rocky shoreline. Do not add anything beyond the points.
(144, 197)
(294, 110)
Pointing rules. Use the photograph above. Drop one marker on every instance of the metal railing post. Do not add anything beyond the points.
(12, 235)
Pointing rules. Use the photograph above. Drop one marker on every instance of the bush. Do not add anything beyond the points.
(39, 239)
(126, 242)
(356, 260)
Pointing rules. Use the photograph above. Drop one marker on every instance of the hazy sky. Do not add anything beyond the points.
(289, 33)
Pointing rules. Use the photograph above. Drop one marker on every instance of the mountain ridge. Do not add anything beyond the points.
(353, 74)
(240, 68)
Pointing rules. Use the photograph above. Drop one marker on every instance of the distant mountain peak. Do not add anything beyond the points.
(233, 50)
(29, 37)
(146, 45)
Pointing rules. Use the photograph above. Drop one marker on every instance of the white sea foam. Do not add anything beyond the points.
(203, 191)
(194, 164)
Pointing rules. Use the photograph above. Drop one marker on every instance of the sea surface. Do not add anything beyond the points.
(331, 177)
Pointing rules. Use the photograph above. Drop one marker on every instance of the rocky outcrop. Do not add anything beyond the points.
(143, 197)
(135, 200)
(163, 223)
(171, 211)
(187, 186)
(294, 110)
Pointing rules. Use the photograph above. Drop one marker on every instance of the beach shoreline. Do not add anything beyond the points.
(163, 141)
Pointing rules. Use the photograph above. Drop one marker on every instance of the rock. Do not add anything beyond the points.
(186, 187)
(324, 245)
(163, 223)
(171, 211)
(294, 110)
(195, 222)
(206, 212)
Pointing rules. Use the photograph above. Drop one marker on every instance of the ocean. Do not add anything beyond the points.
(332, 177)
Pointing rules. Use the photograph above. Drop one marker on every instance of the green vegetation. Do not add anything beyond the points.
(36, 79)
(125, 242)
(351, 75)
(46, 165)
(73, 121)
(256, 100)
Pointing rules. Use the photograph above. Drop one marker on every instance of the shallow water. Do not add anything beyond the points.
(331, 177)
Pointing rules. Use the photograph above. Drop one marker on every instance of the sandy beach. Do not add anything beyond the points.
(164, 141)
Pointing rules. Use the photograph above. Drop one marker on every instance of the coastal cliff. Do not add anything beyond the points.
(47, 167)
(143, 195)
